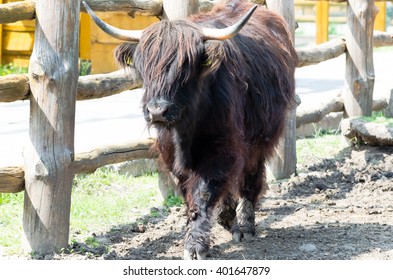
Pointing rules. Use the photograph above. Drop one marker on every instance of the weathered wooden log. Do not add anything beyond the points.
(102, 85)
(14, 87)
(132, 7)
(25, 10)
(16, 11)
(359, 70)
(371, 133)
(12, 179)
(49, 150)
(88, 162)
(314, 115)
(379, 105)
(283, 163)
(383, 39)
(321, 52)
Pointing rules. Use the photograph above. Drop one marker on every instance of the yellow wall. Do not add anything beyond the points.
(17, 40)
(102, 45)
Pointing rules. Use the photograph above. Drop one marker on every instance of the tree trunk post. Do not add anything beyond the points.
(359, 73)
(174, 9)
(49, 152)
(283, 163)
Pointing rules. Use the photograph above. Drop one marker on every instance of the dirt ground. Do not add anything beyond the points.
(335, 209)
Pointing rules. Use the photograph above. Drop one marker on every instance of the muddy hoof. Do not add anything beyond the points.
(189, 255)
(239, 236)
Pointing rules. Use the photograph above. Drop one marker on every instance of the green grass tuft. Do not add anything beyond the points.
(12, 69)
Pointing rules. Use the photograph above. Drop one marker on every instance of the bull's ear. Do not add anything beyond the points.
(124, 54)
(213, 56)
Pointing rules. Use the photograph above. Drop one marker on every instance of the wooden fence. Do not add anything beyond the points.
(53, 86)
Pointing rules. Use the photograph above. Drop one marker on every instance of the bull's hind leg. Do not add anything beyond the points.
(201, 200)
(253, 185)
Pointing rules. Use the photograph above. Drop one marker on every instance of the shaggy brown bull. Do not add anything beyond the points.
(217, 87)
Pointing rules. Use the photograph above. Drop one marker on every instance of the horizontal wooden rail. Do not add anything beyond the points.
(17, 11)
(16, 87)
(25, 10)
(102, 85)
(141, 7)
(321, 52)
(12, 178)
(314, 115)
(89, 162)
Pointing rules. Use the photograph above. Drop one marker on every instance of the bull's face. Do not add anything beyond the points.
(170, 57)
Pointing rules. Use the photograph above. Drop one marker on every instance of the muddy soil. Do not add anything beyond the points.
(335, 209)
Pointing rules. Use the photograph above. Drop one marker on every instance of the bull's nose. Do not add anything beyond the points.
(156, 111)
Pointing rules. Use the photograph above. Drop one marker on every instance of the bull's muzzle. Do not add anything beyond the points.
(157, 111)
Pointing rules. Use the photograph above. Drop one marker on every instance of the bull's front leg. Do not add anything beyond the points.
(201, 200)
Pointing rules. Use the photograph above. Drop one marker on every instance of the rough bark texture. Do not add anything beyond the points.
(141, 7)
(11, 179)
(313, 115)
(321, 52)
(102, 85)
(382, 39)
(17, 87)
(359, 73)
(16, 11)
(283, 163)
(14, 87)
(174, 9)
(50, 149)
(88, 162)
(357, 130)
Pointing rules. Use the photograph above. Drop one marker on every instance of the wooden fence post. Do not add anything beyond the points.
(283, 164)
(49, 152)
(175, 9)
(359, 73)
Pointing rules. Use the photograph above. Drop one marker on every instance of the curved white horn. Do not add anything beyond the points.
(230, 31)
(125, 35)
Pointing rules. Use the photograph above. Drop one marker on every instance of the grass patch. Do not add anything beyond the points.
(12, 69)
(379, 117)
(105, 199)
(99, 201)
(11, 211)
(323, 146)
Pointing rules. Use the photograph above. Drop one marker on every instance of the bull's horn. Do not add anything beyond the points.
(229, 32)
(125, 35)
